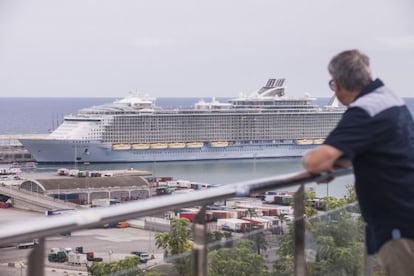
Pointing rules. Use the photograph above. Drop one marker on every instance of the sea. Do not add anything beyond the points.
(41, 115)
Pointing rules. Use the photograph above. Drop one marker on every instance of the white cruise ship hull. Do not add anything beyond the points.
(69, 151)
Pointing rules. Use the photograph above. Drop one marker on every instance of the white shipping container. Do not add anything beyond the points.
(269, 198)
(266, 222)
(73, 172)
(77, 258)
(232, 224)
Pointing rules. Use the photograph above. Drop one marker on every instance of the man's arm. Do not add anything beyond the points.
(323, 158)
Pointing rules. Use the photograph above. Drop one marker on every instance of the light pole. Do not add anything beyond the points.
(254, 164)
(20, 265)
(109, 254)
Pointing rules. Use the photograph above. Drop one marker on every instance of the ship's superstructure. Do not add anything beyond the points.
(265, 123)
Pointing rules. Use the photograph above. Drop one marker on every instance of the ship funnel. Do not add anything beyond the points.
(333, 102)
(273, 88)
(272, 83)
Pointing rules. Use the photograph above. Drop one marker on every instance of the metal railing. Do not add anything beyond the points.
(40, 228)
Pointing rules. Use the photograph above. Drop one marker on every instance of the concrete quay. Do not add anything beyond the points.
(11, 150)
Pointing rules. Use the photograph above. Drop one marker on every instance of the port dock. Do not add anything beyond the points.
(11, 150)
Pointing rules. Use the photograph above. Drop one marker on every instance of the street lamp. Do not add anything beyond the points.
(109, 254)
(21, 266)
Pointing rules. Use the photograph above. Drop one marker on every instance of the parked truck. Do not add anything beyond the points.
(28, 244)
(143, 256)
(59, 256)
(90, 256)
(77, 258)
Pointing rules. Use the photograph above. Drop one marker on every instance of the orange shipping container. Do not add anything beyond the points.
(122, 224)
(219, 214)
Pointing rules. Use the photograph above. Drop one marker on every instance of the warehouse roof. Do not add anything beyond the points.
(64, 183)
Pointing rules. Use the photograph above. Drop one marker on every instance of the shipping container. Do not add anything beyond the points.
(77, 258)
(122, 224)
(221, 214)
(188, 215)
(233, 224)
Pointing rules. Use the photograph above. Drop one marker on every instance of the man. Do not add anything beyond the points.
(376, 136)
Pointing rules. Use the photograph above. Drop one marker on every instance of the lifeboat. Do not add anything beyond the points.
(219, 144)
(140, 146)
(121, 146)
(176, 145)
(195, 145)
(318, 141)
(158, 146)
(304, 141)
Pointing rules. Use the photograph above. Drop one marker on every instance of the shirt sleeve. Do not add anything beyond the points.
(352, 134)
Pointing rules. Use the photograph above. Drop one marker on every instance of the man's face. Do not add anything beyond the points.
(344, 96)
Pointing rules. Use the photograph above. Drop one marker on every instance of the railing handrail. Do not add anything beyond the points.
(47, 226)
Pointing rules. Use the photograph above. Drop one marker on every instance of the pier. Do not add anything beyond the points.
(11, 150)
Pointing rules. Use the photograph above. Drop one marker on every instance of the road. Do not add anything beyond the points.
(34, 201)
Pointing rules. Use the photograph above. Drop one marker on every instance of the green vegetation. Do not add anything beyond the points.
(126, 266)
(340, 242)
(334, 245)
(335, 241)
(176, 242)
(240, 260)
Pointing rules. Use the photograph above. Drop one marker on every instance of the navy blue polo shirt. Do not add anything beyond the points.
(377, 134)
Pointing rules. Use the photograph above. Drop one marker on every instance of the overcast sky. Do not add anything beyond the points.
(194, 48)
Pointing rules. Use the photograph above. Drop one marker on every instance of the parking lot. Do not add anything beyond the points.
(108, 244)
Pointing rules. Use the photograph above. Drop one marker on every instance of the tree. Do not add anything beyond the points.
(126, 266)
(331, 202)
(176, 242)
(240, 260)
(339, 249)
(284, 264)
(310, 195)
(100, 268)
(282, 219)
(251, 213)
(341, 246)
(259, 240)
(350, 195)
(214, 236)
(152, 272)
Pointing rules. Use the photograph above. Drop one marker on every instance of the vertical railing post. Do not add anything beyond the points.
(200, 243)
(299, 230)
(36, 259)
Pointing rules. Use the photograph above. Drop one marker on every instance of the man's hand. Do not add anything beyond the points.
(324, 159)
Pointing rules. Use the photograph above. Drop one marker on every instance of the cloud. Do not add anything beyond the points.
(404, 42)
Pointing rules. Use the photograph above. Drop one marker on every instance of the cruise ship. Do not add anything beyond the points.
(263, 124)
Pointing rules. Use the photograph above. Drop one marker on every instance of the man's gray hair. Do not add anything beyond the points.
(350, 69)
